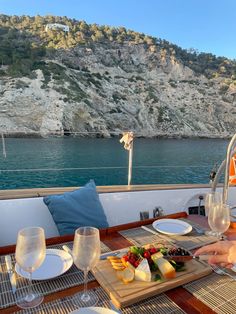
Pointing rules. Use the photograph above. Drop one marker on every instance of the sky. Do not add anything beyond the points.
(206, 25)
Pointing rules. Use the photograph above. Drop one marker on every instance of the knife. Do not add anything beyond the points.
(149, 230)
(11, 272)
(157, 233)
(185, 258)
(104, 256)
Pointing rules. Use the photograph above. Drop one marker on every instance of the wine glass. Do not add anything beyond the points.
(86, 254)
(219, 219)
(212, 199)
(30, 254)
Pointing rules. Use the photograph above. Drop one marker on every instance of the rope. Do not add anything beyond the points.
(93, 168)
(59, 169)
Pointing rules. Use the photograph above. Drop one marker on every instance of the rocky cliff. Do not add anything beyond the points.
(106, 88)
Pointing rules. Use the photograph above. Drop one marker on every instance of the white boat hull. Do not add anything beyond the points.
(120, 208)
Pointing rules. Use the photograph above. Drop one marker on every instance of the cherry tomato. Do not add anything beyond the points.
(136, 263)
(153, 250)
(146, 254)
(126, 258)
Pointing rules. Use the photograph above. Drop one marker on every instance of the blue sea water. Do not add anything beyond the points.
(58, 162)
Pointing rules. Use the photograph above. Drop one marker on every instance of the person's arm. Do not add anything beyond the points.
(223, 253)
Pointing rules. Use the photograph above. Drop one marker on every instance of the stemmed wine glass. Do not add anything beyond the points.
(212, 199)
(86, 254)
(219, 219)
(30, 254)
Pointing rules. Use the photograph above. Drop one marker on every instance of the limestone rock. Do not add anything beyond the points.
(101, 91)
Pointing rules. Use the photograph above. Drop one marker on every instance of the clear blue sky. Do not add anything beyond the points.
(207, 25)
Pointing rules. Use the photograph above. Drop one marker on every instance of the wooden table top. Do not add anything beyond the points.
(114, 241)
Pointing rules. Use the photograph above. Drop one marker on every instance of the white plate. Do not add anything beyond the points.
(93, 310)
(56, 263)
(172, 226)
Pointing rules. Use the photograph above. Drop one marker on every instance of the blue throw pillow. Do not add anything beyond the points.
(72, 210)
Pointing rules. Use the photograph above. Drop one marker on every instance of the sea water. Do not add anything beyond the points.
(62, 162)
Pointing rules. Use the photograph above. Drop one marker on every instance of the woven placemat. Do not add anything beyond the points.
(160, 304)
(190, 241)
(71, 278)
(216, 291)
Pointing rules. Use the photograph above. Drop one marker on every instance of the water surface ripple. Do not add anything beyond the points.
(57, 162)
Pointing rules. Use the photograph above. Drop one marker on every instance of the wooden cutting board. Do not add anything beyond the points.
(126, 294)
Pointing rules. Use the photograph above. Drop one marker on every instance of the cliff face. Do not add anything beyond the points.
(109, 88)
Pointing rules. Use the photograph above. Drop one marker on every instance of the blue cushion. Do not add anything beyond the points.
(72, 210)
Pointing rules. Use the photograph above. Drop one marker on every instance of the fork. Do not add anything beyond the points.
(221, 271)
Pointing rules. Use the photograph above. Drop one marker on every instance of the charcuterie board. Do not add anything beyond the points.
(126, 294)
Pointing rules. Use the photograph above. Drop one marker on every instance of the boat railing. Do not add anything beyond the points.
(225, 166)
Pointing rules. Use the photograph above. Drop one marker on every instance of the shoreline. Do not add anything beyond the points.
(103, 136)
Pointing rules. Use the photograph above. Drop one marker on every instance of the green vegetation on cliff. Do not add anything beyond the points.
(24, 43)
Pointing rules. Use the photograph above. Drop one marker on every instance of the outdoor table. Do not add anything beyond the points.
(115, 241)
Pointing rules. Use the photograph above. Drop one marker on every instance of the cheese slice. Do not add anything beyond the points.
(155, 256)
(166, 269)
(142, 272)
